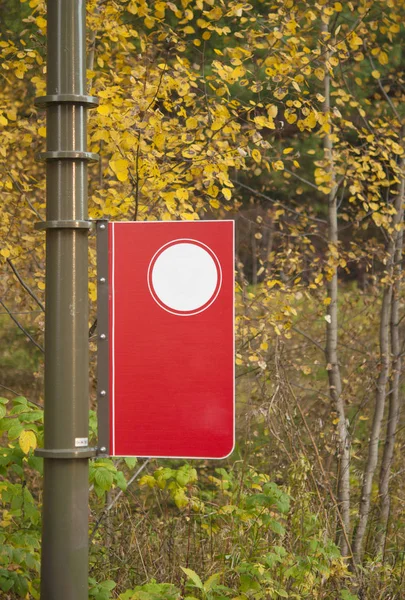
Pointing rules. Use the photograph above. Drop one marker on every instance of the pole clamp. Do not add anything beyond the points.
(81, 99)
(66, 453)
(67, 154)
(76, 224)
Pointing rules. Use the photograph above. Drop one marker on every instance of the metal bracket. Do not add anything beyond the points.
(103, 349)
(68, 154)
(87, 101)
(66, 453)
(76, 224)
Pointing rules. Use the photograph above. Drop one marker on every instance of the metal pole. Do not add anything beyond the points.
(64, 569)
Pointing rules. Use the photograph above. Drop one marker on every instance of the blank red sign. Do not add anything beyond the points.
(172, 338)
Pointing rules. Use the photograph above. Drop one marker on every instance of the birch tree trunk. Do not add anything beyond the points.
(394, 402)
(381, 392)
(331, 351)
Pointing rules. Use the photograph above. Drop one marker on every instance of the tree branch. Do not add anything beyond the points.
(29, 336)
(25, 286)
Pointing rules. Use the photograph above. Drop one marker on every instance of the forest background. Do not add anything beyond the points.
(287, 116)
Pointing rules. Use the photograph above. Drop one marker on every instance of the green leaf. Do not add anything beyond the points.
(346, 595)
(20, 400)
(180, 498)
(15, 430)
(186, 475)
(194, 577)
(121, 481)
(104, 479)
(130, 461)
(212, 581)
(37, 463)
(109, 584)
(277, 527)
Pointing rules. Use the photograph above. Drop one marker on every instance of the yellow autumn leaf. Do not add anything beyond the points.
(290, 116)
(288, 150)
(120, 168)
(217, 124)
(191, 123)
(280, 93)
(181, 194)
(383, 58)
(5, 252)
(310, 121)
(3, 120)
(122, 175)
(119, 165)
(213, 191)
(278, 165)
(227, 194)
(104, 109)
(377, 218)
(375, 74)
(320, 74)
(272, 111)
(40, 21)
(42, 132)
(159, 141)
(189, 216)
(27, 441)
(397, 148)
(256, 155)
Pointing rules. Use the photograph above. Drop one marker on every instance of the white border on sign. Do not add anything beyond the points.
(113, 340)
(113, 335)
(218, 286)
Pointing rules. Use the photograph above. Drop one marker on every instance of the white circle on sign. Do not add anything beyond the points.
(184, 277)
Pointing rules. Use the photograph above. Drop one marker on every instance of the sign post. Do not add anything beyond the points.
(64, 566)
(166, 338)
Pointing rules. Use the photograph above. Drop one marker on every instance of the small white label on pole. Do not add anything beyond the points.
(81, 442)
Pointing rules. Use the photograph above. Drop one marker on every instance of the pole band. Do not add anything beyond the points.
(87, 101)
(66, 453)
(74, 224)
(68, 154)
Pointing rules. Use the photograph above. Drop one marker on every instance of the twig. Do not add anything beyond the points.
(25, 286)
(17, 394)
(309, 338)
(29, 336)
(93, 328)
(274, 201)
(19, 189)
(380, 85)
(315, 187)
(115, 499)
(319, 460)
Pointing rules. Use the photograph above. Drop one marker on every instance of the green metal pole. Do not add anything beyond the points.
(64, 569)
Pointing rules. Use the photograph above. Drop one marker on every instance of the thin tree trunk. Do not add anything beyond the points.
(254, 255)
(92, 43)
(394, 402)
(372, 457)
(334, 376)
(381, 393)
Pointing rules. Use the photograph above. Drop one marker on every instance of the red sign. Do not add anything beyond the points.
(172, 338)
